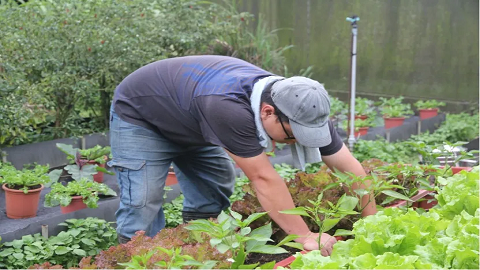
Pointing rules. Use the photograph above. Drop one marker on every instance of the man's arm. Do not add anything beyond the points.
(274, 196)
(344, 161)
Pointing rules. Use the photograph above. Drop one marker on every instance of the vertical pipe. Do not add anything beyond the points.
(351, 124)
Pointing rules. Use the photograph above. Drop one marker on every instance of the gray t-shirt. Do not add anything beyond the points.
(197, 101)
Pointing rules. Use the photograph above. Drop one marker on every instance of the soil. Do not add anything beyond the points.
(265, 258)
(18, 187)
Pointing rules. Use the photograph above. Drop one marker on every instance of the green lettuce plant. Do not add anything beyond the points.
(364, 106)
(231, 233)
(445, 237)
(429, 104)
(359, 123)
(62, 195)
(394, 107)
(24, 179)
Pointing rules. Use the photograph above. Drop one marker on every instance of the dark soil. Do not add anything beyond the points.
(18, 187)
(265, 258)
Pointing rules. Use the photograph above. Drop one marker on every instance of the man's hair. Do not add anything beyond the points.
(267, 98)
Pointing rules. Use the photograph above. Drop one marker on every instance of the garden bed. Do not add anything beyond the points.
(12, 229)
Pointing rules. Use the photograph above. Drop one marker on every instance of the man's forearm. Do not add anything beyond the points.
(274, 196)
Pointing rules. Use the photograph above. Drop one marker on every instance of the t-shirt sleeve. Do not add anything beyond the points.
(336, 143)
(228, 122)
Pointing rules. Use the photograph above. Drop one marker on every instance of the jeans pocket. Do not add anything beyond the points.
(132, 179)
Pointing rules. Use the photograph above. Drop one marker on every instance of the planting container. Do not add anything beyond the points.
(361, 117)
(393, 122)
(76, 204)
(21, 205)
(171, 179)
(428, 113)
(99, 176)
(422, 198)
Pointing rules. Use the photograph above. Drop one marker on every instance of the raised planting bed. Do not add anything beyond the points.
(448, 239)
(411, 126)
(50, 217)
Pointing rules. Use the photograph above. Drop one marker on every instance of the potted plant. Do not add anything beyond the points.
(22, 189)
(76, 195)
(363, 108)
(428, 108)
(86, 163)
(361, 127)
(394, 111)
(338, 109)
(171, 177)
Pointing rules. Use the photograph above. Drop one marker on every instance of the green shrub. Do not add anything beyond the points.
(66, 57)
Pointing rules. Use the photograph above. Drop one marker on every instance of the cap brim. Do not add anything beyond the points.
(311, 137)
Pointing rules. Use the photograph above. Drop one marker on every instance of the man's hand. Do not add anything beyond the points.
(310, 242)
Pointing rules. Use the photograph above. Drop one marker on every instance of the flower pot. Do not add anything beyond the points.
(171, 179)
(427, 202)
(428, 113)
(98, 177)
(420, 195)
(425, 196)
(76, 204)
(21, 205)
(393, 122)
(361, 131)
(361, 117)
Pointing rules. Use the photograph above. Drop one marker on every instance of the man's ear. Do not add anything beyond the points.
(266, 110)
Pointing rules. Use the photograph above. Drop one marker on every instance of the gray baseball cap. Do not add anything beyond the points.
(306, 103)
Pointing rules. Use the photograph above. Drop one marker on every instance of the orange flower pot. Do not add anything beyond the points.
(361, 117)
(393, 122)
(171, 179)
(428, 113)
(98, 177)
(21, 205)
(75, 205)
(360, 132)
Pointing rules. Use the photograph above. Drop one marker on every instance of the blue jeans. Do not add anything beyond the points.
(141, 159)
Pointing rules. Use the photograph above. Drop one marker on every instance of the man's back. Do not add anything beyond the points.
(189, 100)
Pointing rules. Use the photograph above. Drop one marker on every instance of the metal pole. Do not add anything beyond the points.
(351, 139)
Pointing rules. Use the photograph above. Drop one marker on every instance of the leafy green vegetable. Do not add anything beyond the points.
(62, 195)
(23, 179)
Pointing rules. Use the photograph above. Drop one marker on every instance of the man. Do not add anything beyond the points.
(194, 110)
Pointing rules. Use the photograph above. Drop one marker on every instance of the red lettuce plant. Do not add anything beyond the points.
(194, 245)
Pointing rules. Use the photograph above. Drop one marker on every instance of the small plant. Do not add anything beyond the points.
(96, 153)
(24, 179)
(359, 123)
(176, 260)
(286, 171)
(173, 212)
(374, 185)
(83, 237)
(326, 218)
(429, 104)
(79, 160)
(62, 195)
(394, 107)
(337, 107)
(364, 106)
(231, 233)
